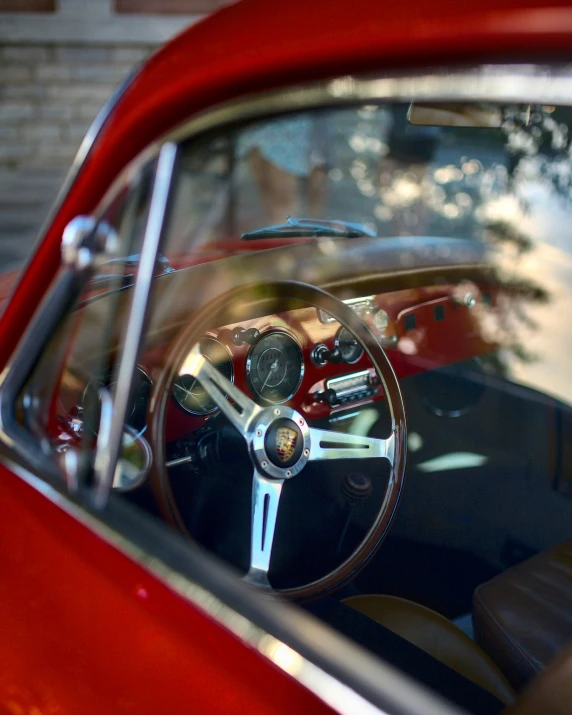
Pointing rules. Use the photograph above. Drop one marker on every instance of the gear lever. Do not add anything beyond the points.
(356, 488)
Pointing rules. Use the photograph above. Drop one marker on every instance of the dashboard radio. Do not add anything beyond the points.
(348, 388)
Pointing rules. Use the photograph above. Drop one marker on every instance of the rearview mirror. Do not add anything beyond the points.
(456, 114)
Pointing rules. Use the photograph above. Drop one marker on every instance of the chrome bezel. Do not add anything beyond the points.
(337, 345)
(109, 383)
(144, 472)
(231, 378)
(258, 445)
(274, 331)
(315, 355)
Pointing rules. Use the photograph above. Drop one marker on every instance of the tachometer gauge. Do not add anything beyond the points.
(349, 346)
(188, 391)
(275, 367)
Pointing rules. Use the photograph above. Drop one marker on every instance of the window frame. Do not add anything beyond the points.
(356, 682)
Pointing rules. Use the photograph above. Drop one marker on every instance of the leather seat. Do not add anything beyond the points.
(437, 636)
(550, 693)
(523, 617)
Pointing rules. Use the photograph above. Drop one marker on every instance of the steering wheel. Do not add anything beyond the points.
(279, 439)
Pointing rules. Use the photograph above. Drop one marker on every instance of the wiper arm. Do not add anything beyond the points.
(312, 228)
(127, 264)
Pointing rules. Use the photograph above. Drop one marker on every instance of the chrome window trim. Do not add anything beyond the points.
(512, 83)
(107, 454)
(333, 682)
(507, 83)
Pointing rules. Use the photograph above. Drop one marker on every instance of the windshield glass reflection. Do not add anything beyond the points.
(506, 188)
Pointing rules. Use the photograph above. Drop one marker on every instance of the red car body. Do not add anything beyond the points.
(84, 628)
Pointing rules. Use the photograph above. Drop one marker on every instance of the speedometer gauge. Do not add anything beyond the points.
(275, 367)
(188, 391)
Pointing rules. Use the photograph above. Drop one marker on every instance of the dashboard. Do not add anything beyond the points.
(427, 306)
(306, 359)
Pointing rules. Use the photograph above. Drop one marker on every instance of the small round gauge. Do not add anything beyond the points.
(188, 391)
(136, 416)
(275, 367)
(381, 321)
(349, 346)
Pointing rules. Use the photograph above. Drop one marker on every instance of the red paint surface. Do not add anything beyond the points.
(252, 46)
(86, 631)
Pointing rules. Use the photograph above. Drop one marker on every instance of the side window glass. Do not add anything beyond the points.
(441, 239)
(80, 358)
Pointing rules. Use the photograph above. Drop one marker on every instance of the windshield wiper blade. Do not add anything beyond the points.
(311, 228)
(123, 271)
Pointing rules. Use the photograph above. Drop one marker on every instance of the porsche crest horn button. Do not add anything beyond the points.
(284, 443)
(285, 439)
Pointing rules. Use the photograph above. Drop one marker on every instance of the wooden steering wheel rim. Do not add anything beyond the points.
(280, 293)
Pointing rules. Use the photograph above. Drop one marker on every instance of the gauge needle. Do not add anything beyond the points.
(272, 368)
(184, 389)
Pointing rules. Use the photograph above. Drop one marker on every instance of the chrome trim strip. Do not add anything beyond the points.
(401, 694)
(107, 423)
(367, 300)
(537, 84)
(107, 453)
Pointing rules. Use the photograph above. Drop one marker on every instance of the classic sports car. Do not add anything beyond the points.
(286, 400)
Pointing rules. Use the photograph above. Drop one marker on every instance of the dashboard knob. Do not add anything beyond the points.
(328, 396)
(334, 356)
(240, 336)
(321, 355)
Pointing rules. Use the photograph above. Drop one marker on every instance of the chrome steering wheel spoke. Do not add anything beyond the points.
(240, 410)
(327, 444)
(265, 500)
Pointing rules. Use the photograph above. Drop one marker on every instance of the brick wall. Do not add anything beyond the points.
(59, 62)
(49, 94)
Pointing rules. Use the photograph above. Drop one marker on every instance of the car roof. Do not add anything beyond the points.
(256, 45)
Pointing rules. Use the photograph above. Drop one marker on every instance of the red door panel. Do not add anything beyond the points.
(85, 630)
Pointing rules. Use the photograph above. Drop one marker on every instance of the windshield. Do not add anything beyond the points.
(369, 165)
(505, 187)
